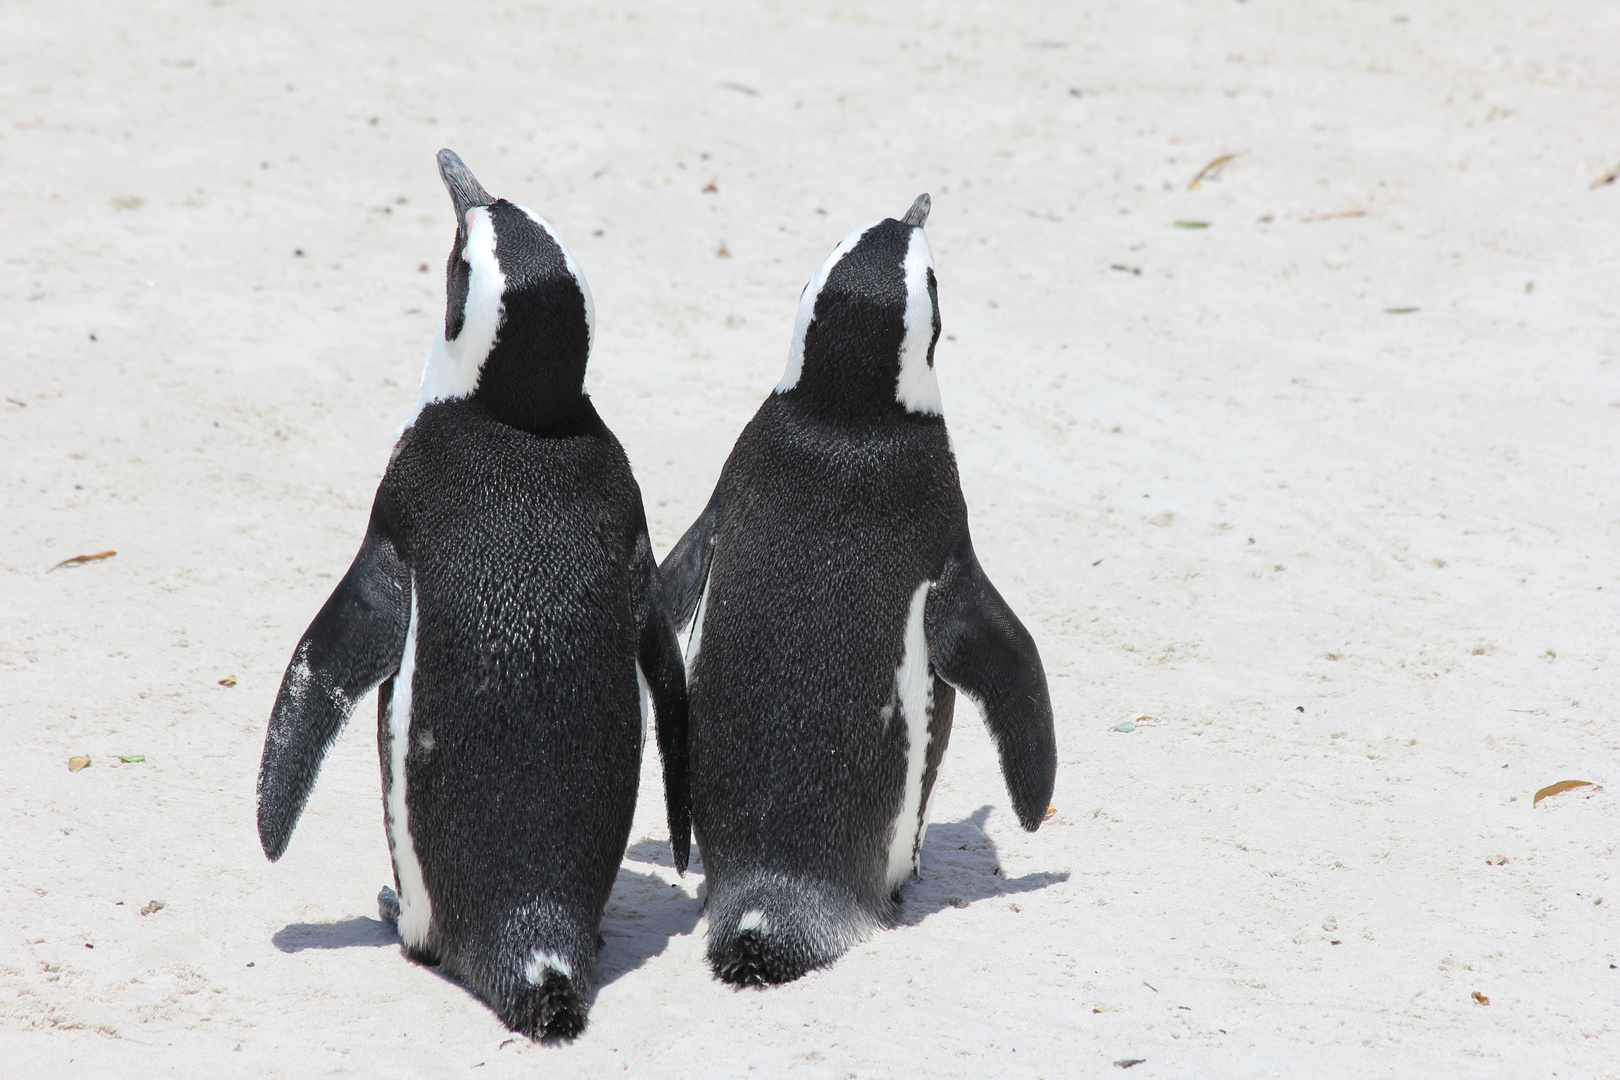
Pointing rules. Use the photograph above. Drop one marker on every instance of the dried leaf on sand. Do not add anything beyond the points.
(80, 560)
(1212, 171)
(1561, 786)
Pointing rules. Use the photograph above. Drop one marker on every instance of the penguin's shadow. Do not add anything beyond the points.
(644, 912)
(358, 932)
(960, 866)
(642, 915)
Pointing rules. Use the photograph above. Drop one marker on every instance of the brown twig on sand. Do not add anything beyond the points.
(1336, 214)
(79, 560)
(1607, 178)
(1212, 171)
(1561, 786)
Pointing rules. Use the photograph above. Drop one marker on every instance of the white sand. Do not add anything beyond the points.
(1220, 491)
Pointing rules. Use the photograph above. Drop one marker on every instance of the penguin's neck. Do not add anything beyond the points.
(849, 385)
(533, 376)
(533, 391)
(836, 408)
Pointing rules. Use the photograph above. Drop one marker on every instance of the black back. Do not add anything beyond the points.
(827, 533)
(526, 718)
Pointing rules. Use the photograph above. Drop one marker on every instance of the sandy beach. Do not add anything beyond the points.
(1282, 364)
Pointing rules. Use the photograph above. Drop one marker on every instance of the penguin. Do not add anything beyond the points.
(506, 605)
(837, 608)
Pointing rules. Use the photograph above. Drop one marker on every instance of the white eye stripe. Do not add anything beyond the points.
(453, 367)
(807, 306)
(917, 388)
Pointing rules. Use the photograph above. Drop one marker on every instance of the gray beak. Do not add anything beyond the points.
(917, 215)
(465, 190)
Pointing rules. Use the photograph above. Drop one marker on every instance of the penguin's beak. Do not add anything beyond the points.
(465, 190)
(917, 215)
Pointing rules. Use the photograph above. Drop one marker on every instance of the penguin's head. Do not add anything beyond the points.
(518, 317)
(863, 342)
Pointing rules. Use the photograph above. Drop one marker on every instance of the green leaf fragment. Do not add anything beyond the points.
(130, 759)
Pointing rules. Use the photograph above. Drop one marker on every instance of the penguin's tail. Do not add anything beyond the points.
(772, 928)
(538, 974)
(552, 1010)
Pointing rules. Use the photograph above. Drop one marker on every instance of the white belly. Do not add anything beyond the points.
(914, 687)
(646, 695)
(695, 642)
(415, 909)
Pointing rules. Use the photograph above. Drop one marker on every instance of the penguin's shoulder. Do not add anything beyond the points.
(460, 435)
(793, 429)
(456, 460)
(894, 459)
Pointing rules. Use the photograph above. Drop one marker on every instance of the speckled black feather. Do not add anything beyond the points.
(835, 505)
(512, 519)
(526, 721)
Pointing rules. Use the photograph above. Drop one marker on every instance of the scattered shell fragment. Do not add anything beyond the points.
(78, 761)
(229, 680)
(151, 906)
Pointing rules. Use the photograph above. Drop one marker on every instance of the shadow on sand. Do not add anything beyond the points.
(960, 867)
(358, 932)
(645, 911)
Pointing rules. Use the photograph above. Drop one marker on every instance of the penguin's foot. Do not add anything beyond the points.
(551, 1011)
(750, 961)
(388, 907)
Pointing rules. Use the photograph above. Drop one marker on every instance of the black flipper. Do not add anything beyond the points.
(978, 645)
(685, 569)
(659, 653)
(354, 643)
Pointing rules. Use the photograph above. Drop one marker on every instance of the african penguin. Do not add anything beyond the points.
(837, 608)
(507, 604)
